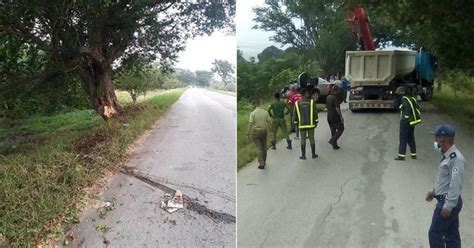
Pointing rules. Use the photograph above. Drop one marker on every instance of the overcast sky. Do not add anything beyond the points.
(201, 51)
(251, 41)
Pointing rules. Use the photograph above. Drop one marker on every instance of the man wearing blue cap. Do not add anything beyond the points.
(444, 229)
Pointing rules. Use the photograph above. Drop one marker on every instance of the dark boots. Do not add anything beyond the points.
(273, 145)
(289, 144)
(313, 151)
(303, 152)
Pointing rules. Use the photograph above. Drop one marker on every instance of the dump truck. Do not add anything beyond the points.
(376, 75)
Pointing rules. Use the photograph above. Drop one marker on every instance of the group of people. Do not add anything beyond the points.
(301, 106)
(444, 229)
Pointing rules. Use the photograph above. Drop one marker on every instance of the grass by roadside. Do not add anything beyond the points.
(246, 149)
(460, 107)
(46, 162)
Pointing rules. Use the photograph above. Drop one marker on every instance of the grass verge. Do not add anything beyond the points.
(460, 107)
(246, 150)
(46, 163)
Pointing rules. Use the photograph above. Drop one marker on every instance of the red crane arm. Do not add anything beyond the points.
(358, 16)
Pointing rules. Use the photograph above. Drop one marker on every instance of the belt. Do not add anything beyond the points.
(440, 198)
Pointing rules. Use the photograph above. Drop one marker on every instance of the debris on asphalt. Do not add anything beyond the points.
(106, 207)
(172, 204)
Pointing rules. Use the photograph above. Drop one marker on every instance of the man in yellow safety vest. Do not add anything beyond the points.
(306, 118)
(410, 116)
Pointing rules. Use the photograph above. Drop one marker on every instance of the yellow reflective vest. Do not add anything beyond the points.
(306, 114)
(410, 110)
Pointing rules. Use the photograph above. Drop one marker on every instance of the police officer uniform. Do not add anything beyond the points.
(260, 121)
(410, 116)
(306, 117)
(447, 191)
(277, 111)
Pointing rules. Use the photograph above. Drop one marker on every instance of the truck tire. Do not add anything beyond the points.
(428, 95)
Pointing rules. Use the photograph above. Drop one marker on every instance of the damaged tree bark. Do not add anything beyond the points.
(97, 82)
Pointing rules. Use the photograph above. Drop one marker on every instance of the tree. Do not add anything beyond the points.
(86, 37)
(315, 28)
(203, 78)
(135, 76)
(268, 53)
(224, 69)
(185, 76)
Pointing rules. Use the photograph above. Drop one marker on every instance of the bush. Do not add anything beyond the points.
(458, 80)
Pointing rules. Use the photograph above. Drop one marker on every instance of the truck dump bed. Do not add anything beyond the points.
(377, 68)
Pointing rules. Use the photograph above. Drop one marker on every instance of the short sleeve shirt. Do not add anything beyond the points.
(259, 117)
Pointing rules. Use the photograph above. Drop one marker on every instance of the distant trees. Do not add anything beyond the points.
(203, 78)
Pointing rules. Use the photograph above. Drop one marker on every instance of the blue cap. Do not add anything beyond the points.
(444, 130)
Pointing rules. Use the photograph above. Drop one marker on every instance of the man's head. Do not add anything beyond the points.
(256, 102)
(277, 95)
(444, 137)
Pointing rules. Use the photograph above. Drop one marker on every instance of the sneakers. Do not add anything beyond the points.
(262, 166)
(399, 158)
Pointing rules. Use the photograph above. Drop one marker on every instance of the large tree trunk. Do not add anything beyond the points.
(97, 82)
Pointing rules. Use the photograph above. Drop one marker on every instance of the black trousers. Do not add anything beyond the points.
(407, 136)
(336, 131)
(444, 233)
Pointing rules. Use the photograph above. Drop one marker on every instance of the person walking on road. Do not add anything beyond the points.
(410, 116)
(334, 116)
(294, 98)
(444, 229)
(306, 118)
(259, 124)
(277, 111)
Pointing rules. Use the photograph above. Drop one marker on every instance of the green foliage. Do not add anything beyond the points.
(186, 77)
(316, 28)
(458, 106)
(80, 40)
(278, 81)
(442, 27)
(254, 79)
(224, 70)
(135, 80)
(458, 81)
(22, 94)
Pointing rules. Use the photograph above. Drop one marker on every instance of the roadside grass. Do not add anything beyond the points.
(460, 107)
(47, 161)
(246, 150)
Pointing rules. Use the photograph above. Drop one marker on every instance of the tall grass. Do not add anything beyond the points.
(460, 106)
(43, 176)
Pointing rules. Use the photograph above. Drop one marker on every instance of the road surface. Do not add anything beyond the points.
(358, 196)
(191, 148)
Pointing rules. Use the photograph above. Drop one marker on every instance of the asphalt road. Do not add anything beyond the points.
(192, 149)
(357, 196)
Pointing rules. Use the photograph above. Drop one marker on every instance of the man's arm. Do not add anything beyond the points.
(250, 126)
(338, 110)
(270, 110)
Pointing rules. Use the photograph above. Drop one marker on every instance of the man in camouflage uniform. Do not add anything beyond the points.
(277, 111)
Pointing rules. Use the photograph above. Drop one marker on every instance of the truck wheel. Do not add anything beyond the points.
(428, 95)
